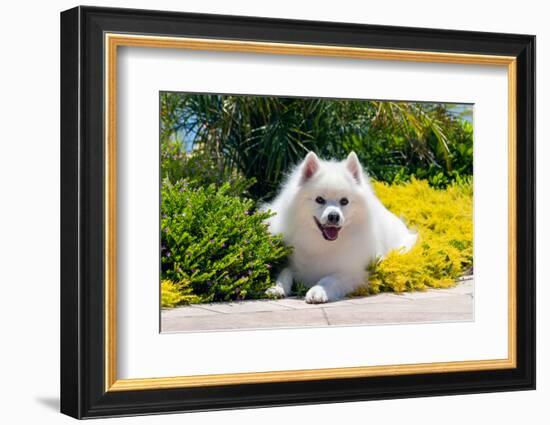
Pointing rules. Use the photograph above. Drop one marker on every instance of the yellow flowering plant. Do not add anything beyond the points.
(444, 250)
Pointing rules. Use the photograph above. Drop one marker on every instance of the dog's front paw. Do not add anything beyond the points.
(275, 292)
(316, 295)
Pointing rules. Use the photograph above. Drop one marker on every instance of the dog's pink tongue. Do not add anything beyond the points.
(331, 232)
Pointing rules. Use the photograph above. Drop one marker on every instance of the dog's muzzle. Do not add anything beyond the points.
(329, 231)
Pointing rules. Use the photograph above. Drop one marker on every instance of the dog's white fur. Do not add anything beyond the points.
(367, 230)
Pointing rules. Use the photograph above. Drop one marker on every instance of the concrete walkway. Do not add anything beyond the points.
(434, 305)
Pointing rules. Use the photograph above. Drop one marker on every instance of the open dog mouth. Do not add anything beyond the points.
(330, 232)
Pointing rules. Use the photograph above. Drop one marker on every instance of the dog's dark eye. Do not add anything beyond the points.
(344, 201)
(320, 200)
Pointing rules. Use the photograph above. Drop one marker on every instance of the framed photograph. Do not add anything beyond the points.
(261, 212)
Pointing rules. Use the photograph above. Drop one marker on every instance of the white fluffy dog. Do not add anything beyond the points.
(327, 211)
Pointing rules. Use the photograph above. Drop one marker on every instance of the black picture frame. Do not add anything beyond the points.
(83, 392)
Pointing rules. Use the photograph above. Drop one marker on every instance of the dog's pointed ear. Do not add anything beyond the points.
(354, 167)
(310, 166)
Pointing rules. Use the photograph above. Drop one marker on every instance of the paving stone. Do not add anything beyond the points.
(299, 303)
(443, 304)
(431, 293)
(187, 311)
(245, 306)
(241, 321)
(363, 317)
(384, 298)
(436, 305)
(452, 304)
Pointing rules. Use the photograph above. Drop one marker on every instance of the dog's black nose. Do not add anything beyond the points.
(333, 218)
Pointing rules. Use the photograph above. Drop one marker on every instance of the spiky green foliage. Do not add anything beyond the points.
(425, 141)
(262, 137)
(216, 243)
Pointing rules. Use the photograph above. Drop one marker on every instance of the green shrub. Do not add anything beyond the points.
(200, 168)
(395, 157)
(216, 243)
